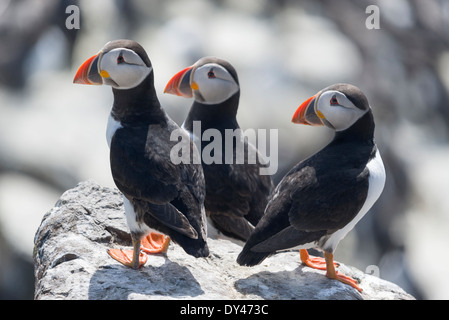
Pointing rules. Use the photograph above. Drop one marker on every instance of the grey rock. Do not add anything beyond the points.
(71, 262)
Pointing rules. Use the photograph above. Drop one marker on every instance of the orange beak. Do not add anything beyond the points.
(88, 72)
(180, 84)
(306, 114)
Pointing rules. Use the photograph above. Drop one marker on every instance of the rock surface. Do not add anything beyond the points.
(71, 263)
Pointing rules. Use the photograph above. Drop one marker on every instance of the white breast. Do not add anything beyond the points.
(376, 185)
(113, 126)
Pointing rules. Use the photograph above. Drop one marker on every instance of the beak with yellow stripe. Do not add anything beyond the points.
(307, 113)
(88, 72)
(180, 84)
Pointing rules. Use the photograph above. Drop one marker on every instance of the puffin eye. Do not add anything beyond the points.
(334, 101)
(211, 74)
(120, 59)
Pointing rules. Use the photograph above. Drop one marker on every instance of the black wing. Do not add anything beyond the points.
(305, 206)
(143, 171)
(330, 201)
(236, 194)
(142, 168)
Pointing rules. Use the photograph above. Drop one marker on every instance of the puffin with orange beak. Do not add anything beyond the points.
(236, 193)
(157, 194)
(323, 197)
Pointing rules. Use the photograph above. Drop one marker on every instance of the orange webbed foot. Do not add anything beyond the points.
(345, 279)
(155, 243)
(332, 274)
(126, 257)
(314, 262)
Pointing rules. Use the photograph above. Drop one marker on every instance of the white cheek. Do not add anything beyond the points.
(341, 118)
(128, 76)
(125, 75)
(217, 91)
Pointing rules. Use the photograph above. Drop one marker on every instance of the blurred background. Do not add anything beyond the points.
(52, 132)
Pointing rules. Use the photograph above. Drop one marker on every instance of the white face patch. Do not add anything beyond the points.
(337, 110)
(213, 84)
(123, 68)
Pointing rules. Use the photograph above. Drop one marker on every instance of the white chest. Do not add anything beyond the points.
(112, 127)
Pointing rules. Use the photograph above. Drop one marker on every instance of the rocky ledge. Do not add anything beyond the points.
(71, 263)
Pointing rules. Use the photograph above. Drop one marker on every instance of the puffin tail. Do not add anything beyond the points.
(250, 258)
(198, 250)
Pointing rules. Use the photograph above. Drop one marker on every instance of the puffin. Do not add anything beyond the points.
(162, 200)
(236, 192)
(324, 196)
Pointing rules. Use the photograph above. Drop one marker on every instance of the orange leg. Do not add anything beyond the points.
(155, 243)
(313, 262)
(332, 274)
(130, 258)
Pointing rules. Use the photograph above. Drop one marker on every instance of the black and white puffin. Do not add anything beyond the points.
(323, 197)
(236, 193)
(157, 194)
